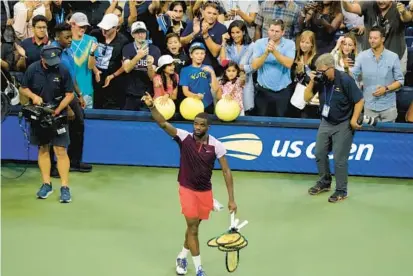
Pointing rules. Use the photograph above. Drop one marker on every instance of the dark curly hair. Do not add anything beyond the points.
(225, 79)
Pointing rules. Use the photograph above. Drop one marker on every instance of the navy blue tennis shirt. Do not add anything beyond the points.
(50, 84)
(341, 96)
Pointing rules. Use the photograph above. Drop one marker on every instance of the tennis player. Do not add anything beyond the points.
(199, 150)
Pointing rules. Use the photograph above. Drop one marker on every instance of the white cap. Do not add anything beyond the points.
(80, 19)
(109, 21)
(164, 60)
(138, 25)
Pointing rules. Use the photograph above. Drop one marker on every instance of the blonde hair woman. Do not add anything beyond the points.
(345, 52)
(305, 57)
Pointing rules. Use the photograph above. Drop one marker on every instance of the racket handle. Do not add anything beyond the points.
(232, 219)
(236, 223)
(242, 225)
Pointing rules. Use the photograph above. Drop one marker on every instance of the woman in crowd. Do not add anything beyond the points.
(303, 64)
(323, 19)
(345, 52)
(165, 82)
(238, 47)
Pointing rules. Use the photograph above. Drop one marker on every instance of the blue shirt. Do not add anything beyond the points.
(382, 72)
(50, 84)
(272, 74)
(81, 51)
(198, 82)
(67, 60)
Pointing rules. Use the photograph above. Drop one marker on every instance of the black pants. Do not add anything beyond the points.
(273, 103)
(76, 134)
(111, 97)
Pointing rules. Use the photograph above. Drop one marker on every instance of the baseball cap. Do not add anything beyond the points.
(138, 25)
(80, 19)
(197, 45)
(164, 60)
(51, 54)
(109, 21)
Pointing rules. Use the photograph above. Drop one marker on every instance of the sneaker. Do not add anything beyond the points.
(319, 188)
(200, 272)
(181, 266)
(337, 196)
(45, 191)
(65, 195)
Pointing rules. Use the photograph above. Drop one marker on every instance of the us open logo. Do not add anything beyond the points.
(245, 146)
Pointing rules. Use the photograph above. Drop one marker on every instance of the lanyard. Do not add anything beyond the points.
(60, 19)
(331, 95)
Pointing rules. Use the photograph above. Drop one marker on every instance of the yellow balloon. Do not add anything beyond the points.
(167, 109)
(190, 107)
(227, 110)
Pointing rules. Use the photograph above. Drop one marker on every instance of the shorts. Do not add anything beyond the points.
(40, 137)
(196, 204)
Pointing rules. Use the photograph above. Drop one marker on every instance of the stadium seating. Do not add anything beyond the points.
(404, 98)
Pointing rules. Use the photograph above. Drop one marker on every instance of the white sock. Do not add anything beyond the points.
(183, 254)
(197, 262)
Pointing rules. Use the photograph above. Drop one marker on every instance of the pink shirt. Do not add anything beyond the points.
(227, 89)
(158, 86)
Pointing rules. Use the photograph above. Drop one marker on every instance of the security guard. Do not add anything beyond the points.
(47, 81)
(341, 103)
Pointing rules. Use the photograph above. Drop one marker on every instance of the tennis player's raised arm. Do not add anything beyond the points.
(157, 116)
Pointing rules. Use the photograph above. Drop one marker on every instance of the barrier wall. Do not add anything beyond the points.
(253, 144)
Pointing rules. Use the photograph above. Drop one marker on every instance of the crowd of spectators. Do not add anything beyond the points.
(255, 52)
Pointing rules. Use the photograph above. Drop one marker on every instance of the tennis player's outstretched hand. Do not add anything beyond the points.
(232, 206)
(148, 100)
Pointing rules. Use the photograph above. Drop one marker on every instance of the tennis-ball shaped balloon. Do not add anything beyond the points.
(190, 107)
(167, 109)
(227, 110)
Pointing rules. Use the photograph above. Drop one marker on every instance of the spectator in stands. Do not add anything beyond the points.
(93, 9)
(25, 12)
(381, 75)
(197, 79)
(75, 111)
(30, 48)
(345, 47)
(174, 49)
(172, 20)
(305, 58)
(165, 82)
(7, 62)
(83, 48)
(238, 47)
(139, 62)
(61, 12)
(273, 57)
(108, 70)
(287, 11)
(118, 10)
(207, 31)
(47, 81)
(232, 85)
(354, 23)
(409, 114)
(388, 15)
(341, 102)
(323, 19)
(304, 63)
(242, 10)
(7, 13)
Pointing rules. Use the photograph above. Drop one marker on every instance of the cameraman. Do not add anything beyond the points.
(48, 82)
(341, 102)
